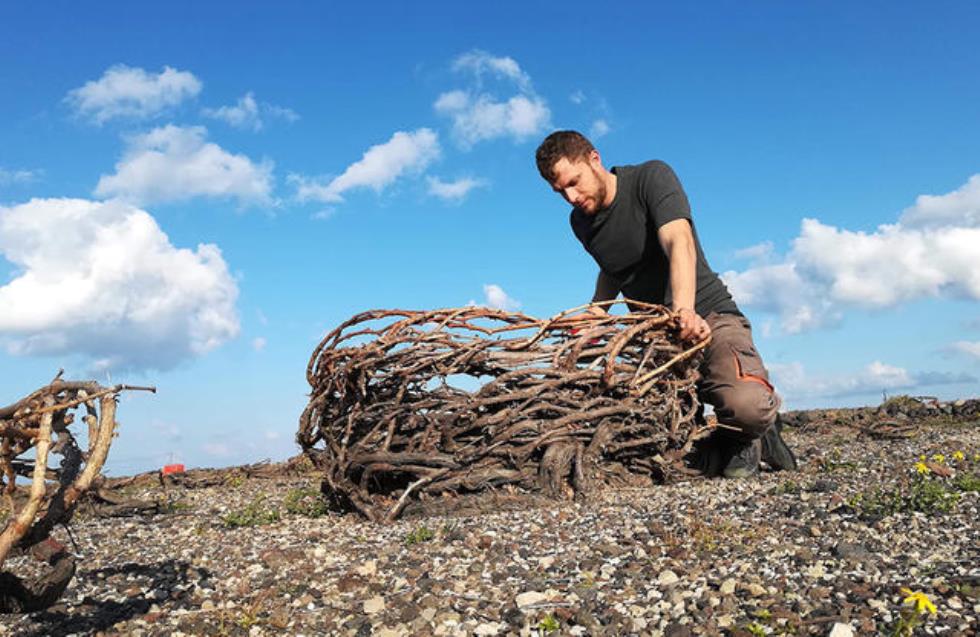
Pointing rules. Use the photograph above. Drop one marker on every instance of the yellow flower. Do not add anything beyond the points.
(958, 456)
(920, 600)
(921, 467)
(922, 458)
(938, 458)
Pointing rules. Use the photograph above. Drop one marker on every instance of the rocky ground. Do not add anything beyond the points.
(825, 551)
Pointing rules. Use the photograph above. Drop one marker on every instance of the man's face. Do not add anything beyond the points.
(580, 184)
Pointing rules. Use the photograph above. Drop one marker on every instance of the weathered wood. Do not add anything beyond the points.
(39, 424)
(408, 404)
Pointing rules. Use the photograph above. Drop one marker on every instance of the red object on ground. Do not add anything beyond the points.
(172, 468)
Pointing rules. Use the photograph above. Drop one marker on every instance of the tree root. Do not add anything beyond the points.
(408, 405)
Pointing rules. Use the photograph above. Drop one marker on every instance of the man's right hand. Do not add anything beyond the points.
(692, 327)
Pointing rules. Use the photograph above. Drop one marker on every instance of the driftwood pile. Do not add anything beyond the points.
(409, 405)
(896, 418)
(38, 445)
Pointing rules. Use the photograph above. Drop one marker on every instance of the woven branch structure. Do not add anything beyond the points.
(409, 405)
(37, 444)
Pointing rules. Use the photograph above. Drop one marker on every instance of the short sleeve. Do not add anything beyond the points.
(663, 194)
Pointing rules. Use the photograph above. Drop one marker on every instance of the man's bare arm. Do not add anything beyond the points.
(677, 240)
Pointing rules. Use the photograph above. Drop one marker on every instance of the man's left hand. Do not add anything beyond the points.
(692, 327)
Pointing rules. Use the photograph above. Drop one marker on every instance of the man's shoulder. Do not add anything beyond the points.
(651, 167)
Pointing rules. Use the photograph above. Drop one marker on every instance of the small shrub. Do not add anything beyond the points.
(833, 462)
(306, 502)
(755, 629)
(549, 624)
(254, 514)
(920, 494)
(967, 482)
(419, 535)
(788, 487)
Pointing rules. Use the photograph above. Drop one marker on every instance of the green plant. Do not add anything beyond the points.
(967, 482)
(449, 526)
(549, 624)
(235, 481)
(919, 494)
(254, 514)
(755, 629)
(419, 535)
(832, 462)
(306, 502)
(788, 487)
(177, 506)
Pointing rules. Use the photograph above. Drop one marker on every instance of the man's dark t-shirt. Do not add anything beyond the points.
(623, 238)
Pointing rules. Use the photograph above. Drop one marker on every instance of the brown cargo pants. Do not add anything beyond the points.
(735, 381)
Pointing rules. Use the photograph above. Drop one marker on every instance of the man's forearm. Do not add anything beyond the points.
(683, 274)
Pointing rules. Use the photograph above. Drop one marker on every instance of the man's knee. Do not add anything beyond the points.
(749, 409)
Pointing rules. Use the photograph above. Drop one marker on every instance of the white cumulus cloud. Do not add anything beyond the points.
(125, 91)
(247, 113)
(479, 115)
(454, 191)
(829, 269)
(970, 348)
(599, 128)
(17, 176)
(796, 384)
(480, 62)
(101, 281)
(381, 165)
(494, 296)
(174, 163)
(958, 208)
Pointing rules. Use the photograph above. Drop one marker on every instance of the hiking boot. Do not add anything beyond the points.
(707, 456)
(744, 462)
(775, 452)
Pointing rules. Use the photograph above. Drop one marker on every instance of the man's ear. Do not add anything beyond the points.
(594, 159)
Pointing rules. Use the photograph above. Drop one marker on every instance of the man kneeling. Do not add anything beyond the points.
(636, 223)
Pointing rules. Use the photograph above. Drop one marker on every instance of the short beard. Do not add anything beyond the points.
(601, 191)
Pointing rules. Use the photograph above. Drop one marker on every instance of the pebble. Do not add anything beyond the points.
(756, 590)
(530, 598)
(668, 577)
(367, 568)
(672, 560)
(374, 605)
(841, 630)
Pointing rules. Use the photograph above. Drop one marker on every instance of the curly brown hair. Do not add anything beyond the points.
(569, 144)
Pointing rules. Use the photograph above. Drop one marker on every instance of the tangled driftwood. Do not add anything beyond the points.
(32, 430)
(410, 404)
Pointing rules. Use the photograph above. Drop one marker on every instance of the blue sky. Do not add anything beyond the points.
(191, 194)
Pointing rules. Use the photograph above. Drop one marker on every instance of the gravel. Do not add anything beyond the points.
(783, 553)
